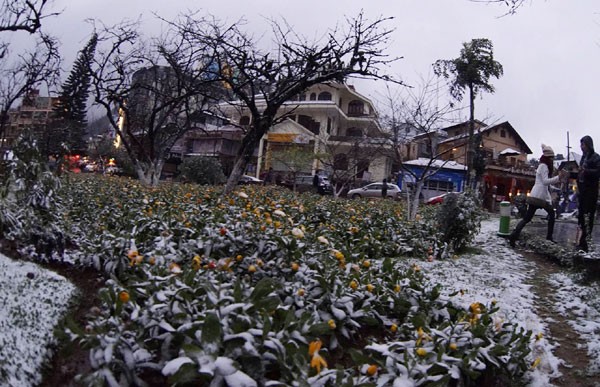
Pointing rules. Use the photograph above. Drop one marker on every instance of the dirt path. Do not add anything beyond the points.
(568, 344)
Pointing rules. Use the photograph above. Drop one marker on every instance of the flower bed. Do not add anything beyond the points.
(264, 287)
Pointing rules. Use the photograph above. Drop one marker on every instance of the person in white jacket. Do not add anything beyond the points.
(539, 196)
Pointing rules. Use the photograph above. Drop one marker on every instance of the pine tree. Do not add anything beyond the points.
(71, 110)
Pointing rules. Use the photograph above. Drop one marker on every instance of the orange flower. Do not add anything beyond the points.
(318, 361)
(372, 370)
(314, 346)
(124, 296)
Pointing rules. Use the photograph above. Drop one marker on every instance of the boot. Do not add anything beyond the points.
(512, 239)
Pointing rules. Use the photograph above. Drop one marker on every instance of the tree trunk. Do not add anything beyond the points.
(415, 201)
(149, 174)
(245, 153)
(470, 151)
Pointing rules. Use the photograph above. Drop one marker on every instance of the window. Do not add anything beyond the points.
(245, 120)
(356, 108)
(340, 162)
(354, 132)
(313, 96)
(325, 96)
(503, 133)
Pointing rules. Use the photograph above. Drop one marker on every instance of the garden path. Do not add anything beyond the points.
(569, 345)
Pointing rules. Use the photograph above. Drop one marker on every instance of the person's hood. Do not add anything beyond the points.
(587, 140)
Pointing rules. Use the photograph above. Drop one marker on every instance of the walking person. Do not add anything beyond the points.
(384, 188)
(540, 195)
(587, 187)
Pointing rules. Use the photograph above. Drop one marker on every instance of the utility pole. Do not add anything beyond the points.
(568, 148)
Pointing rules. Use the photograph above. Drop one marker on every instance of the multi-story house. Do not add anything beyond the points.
(331, 121)
(507, 172)
(35, 113)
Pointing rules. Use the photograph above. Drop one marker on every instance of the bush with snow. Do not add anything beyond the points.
(264, 287)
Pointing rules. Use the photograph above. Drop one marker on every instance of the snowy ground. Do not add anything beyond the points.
(32, 302)
(32, 307)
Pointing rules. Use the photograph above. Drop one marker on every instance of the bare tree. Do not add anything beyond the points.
(260, 81)
(160, 88)
(19, 73)
(18, 77)
(413, 118)
(296, 159)
(512, 5)
(348, 159)
(23, 15)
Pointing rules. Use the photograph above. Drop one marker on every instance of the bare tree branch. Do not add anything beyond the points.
(23, 15)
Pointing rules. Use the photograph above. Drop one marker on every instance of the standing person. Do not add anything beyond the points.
(540, 195)
(587, 186)
(384, 189)
(268, 176)
(317, 182)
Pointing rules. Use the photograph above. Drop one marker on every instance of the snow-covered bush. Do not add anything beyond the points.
(30, 207)
(459, 219)
(264, 287)
(202, 170)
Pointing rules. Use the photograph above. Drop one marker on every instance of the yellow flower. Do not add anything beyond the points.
(421, 352)
(124, 296)
(536, 362)
(353, 284)
(397, 288)
(372, 370)
(317, 362)
(252, 268)
(314, 346)
(239, 258)
(539, 336)
(196, 262)
(338, 255)
(300, 292)
(331, 324)
(394, 328)
(295, 266)
(370, 288)
(475, 308)
(367, 263)
(453, 346)
(259, 262)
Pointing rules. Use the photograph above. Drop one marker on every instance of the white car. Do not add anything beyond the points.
(373, 190)
(247, 179)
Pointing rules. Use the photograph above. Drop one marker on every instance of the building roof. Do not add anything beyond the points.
(505, 125)
(444, 164)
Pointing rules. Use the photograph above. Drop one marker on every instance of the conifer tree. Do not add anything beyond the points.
(71, 110)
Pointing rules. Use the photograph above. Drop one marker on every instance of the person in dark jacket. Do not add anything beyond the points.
(587, 187)
(384, 188)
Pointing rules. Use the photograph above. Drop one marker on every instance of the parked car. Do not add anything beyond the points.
(373, 190)
(439, 198)
(304, 183)
(248, 180)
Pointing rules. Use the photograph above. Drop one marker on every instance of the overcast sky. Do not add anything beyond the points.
(550, 49)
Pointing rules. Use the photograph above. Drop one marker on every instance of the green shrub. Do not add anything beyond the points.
(459, 219)
(202, 170)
